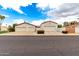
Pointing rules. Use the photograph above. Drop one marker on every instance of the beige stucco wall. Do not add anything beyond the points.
(25, 27)
(4, 28)
(61, 29)
(77, 29)
(49, 26)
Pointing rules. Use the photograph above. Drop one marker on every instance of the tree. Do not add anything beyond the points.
(14, 26)
(73, 22)
(59, 26)
(10, 28)
(1, 19)
(66, 24)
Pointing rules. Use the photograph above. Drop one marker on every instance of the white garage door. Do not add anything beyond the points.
(77, 29)
(26, 29)
(52, 29)
(20, 29)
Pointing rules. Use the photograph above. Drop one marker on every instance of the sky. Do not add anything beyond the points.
(38, 11)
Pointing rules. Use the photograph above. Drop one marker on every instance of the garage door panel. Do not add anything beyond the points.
(50, 29)
(25, 29)
(20, 29)
(77, 30)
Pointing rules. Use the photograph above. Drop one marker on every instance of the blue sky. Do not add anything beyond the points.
(30, 13)
(38, 11)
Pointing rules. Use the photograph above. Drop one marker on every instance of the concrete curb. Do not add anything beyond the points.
(41, 35)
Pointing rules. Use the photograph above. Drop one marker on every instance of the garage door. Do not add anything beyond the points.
(53, 29)
(77, 29)
(20, 29)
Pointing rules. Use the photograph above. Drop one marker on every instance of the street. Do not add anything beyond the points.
(39, 45)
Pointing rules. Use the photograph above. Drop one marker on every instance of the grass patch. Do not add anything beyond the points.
(1, 32)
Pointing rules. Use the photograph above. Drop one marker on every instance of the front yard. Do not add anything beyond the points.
(2, 32)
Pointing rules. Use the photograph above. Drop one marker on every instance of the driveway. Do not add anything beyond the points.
(32, 34)
(26, 33)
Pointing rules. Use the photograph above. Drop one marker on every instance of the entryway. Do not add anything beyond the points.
(40, 32)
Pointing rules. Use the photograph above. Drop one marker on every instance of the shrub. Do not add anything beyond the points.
(59, 26)
(1, 32)
(65, 32)
(40, 32)
(11, 29)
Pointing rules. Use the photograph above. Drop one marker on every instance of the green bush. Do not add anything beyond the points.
(11, 29)
(65, 32)
(1, 32)
(59, 26)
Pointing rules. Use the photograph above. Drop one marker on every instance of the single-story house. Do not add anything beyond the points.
(49, 27)
(70, 29)
(4, 28)
(25, 27)
(45, 27)
(77, 28)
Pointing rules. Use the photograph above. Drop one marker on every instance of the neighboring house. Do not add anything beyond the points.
(45, 27)
(25, 27)
(4, 28)
(70, 28)
(61, 29)
(77, 28)
(49, 27)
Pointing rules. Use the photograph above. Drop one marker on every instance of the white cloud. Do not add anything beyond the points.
(65, 12)
(67, 9)
(15, 4)
(50, 3)
(57, 20)
(5, 15)
(37, 22)
(18, 21)
(62, 20)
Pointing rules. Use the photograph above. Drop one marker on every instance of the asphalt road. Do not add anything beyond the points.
(39, 45)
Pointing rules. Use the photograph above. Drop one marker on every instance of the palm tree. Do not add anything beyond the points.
(1, 19)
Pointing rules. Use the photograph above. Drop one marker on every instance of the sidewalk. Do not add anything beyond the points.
(34, 34)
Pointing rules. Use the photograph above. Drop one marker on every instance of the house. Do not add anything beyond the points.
(4, 28)
(77, 28)
(45, 27)
(48, 27)
(61, 29)
(25, 27)
(70, 28)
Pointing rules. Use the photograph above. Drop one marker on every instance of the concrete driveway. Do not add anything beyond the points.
(32, 34)
(25, 33)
